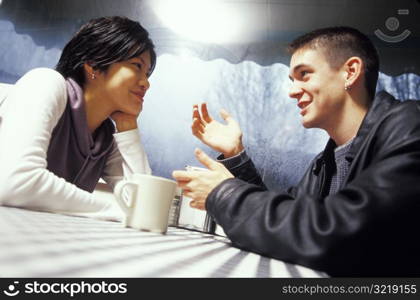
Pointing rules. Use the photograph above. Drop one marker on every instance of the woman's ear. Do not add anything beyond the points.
(89, 71)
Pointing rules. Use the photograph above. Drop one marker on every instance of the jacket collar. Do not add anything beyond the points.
(381, 103)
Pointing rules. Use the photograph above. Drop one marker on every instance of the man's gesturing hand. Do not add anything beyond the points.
(197, 185)
(226, 139)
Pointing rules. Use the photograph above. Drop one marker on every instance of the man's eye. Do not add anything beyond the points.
(137, 65)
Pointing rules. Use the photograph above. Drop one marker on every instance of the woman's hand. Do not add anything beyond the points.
(124, 121)
(226, 139)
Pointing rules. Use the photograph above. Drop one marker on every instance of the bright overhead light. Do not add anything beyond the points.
(210, 21)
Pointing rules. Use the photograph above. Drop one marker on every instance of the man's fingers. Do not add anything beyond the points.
(196, 113)
(193, 203)
(197, 126)
(197, 204)
(225, 115)
(186, 193)
(199, 135)
(183, 184)
(205, 113)
(205, 159)
(197, 130)
(182, 175)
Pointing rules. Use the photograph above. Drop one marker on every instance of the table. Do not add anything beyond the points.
(40, 244)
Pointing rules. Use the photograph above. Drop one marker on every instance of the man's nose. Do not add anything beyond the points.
(295, 91)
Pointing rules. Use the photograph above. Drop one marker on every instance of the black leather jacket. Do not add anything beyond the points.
(371, 227)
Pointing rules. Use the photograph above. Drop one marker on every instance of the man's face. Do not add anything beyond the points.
(318, 88)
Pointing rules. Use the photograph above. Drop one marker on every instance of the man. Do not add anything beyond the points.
(356, 211)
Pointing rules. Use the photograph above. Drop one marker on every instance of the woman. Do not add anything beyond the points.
(56, 134)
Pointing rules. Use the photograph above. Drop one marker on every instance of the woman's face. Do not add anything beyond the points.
(125, 83)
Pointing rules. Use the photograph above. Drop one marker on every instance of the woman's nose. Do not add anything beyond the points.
(144, 83)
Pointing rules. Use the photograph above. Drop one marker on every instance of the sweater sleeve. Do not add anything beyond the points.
(27, 119)
(128, 157)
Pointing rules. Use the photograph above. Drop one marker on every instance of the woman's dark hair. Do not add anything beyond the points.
(102, 42)
(339, 44)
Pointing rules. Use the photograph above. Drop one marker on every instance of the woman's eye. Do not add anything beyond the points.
(137, 65)
(303, 73)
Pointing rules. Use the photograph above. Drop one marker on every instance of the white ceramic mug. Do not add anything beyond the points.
(148, 204)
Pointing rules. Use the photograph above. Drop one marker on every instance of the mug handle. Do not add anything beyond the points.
(118, 190)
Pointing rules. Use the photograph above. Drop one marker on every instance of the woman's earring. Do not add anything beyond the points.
(346, 87)
(93, 76)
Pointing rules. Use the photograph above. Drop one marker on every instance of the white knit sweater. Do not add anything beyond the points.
(28, 115)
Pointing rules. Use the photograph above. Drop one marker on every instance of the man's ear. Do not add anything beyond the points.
(353, 68)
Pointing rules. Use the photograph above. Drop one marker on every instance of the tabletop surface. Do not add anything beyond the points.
(39, 244)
